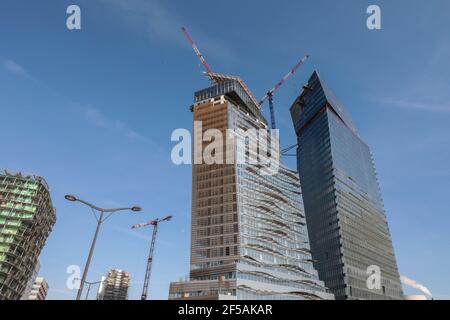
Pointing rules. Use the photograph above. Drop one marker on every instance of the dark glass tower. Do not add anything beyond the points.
(346, 221)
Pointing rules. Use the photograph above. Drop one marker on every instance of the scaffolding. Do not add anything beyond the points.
(115, 286)
(26, 219)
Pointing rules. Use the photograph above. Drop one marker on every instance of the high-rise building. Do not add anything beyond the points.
(347, 225)
(114, 286)
(248, 235)
(26, 219)
(26, 293)
(39, 290)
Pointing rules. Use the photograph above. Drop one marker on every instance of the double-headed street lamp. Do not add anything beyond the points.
(89, 286)
(100, 220)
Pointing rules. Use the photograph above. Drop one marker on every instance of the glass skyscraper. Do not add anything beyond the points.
(249, 238)
(347, 225)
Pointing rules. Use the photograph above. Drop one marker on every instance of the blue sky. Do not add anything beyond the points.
(93, 110)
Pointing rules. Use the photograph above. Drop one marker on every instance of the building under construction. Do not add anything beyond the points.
(39, 290)
(26, 219)
(249, 238)
(114, 286)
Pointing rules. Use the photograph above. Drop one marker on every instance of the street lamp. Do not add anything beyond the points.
(100, 220)
(89, 286)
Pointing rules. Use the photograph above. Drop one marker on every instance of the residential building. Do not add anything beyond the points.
(26, 293)
(26, 219)
(114, 286)
(39, 290)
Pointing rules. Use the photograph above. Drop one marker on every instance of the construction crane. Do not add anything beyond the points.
(197, 52)
(148, 270)
(271, 92)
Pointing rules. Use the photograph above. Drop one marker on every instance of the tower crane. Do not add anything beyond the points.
(197, 52)
(271, 92)
(148, 270)
(268, 95)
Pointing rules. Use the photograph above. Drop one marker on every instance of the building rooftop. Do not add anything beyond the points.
(235, 89)
(218, 78)
(25, 176)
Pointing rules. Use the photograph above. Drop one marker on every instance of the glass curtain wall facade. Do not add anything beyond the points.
(26, 219)
(347, 225)
(249, 238)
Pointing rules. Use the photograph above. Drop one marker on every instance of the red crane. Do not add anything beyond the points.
(270, 93)
(148, 270)
(197, 51)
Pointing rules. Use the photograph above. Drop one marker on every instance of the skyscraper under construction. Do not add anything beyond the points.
(347, 225)
(114, 286)
(26, 219)
(249, 238)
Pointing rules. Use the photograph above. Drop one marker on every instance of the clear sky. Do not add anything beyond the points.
(93, 111)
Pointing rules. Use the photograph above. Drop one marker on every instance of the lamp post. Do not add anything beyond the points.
(89, 286)
(100, 220)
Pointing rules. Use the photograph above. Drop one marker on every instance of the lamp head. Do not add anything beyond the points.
(70, 197)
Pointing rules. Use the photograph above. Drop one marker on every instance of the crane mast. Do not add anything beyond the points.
(271, 92)
(148, 269)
